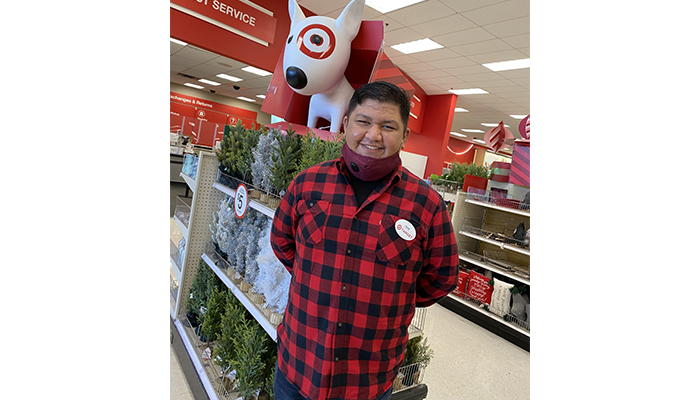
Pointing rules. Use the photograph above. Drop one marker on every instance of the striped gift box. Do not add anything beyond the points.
(520, 168)
(500, 171)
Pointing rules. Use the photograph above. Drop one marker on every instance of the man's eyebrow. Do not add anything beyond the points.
(386, 121)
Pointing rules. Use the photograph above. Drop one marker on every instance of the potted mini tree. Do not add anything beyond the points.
(475, 176)
(285, 157)
(249, 362)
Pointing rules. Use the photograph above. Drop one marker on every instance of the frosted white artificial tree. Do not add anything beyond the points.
(273, 279)
(253, 232)
(224, 226)
(262, 156)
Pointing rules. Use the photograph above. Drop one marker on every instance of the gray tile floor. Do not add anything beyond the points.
(470, 363)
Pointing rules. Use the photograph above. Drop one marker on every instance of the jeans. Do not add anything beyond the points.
(285, 390)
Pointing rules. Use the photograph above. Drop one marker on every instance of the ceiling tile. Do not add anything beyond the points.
(497, 56)
(463, 37)
(488, 46)
(180, 63)
(503, 11)
(518, 41)
(323, 7)
(403, 59)
(461, 5)
(512, 27)
(448, 64)
(195, 54)
(389, 24)
(467, 69)
(486, 76)
(449, 24)
(516, 73)
(422, 12)
(432, 55)
(417, 67)
(446, 80)
(401, 35)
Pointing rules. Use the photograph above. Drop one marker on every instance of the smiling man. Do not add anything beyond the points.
(366, 243)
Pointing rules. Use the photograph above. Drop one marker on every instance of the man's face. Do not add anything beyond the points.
(375, 129)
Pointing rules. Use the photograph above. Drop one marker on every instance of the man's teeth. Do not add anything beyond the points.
(371, 147)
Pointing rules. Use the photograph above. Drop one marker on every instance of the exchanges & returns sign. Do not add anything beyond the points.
(234, 14)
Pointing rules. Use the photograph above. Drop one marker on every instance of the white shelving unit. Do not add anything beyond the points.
(483, 229)
(207, 195)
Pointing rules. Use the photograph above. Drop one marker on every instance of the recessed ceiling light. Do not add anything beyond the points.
(208, 82)
(478, 140)
(472, 130)
(492, 125)
(460, 109)
(385, 6)
(457, 134)
(261, 96)
(518, 116)
(229, 77)
(178, 41)
(417, 46)
(194, 86)
(460, 92)
(256, 71)
(508, 65)
(246, 99)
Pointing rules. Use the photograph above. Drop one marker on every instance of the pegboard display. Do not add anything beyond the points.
(205, 201)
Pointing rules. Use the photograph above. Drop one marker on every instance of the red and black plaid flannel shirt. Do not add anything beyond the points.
(355, 281)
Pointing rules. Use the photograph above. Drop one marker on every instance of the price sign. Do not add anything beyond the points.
(241, 201)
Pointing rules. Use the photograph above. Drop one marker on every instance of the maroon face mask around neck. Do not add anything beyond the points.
(369, 168)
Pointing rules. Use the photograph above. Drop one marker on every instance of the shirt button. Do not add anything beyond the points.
(340, 324)
(337, 359)
(345, 287)
(349, 251)
(311, 204)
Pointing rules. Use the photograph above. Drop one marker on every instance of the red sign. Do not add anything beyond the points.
(479, 288)
(234, 14)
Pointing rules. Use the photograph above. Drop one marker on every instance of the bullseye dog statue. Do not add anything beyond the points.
(315, 58)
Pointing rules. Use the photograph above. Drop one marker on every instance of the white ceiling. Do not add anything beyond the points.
(473, 32)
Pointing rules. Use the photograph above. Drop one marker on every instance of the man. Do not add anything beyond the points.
(366, 242)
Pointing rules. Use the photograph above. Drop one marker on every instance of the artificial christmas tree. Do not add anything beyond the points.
(215, 308)
(262, 162)
(251, 347)
(233, 322)
(205, 282)
(273, 279)
(285, 157)
(244, 159)
(231, 148)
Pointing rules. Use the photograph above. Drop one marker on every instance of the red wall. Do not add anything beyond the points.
(459, 146)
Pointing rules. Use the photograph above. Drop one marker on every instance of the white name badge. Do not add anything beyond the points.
(405, 229)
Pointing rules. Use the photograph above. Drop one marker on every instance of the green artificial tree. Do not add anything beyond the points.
(285, 156)
(417, 352)
(231, 148)
(333, 147)
(234, 320)
(204, 283)
(211, 322)
(244, 159)
(312, 151)
(249, 361)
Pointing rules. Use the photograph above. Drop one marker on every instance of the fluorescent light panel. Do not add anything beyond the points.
(178, 41)
(246, 99)
(460, 109)
(194, 86)
(261, 96)
(417, 46)
(460, 92)
(508, 65)
(385, 6)
(472, 130)
(256, 71)
(518, 116)
(457, 134)
(478, 141)
(229, 77)
(208, 82)
(492, 125)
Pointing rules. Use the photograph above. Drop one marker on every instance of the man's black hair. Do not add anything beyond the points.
(383, 92)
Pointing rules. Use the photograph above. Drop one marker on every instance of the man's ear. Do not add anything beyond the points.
(345, 124)
(406, 133)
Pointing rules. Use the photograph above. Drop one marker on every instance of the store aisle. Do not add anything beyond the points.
(179, 389)
(471, 363)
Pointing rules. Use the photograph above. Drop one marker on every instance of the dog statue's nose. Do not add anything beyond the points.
(296, 78)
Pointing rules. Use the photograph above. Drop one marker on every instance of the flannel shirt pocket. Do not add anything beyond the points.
(393, 249)
(312, 216)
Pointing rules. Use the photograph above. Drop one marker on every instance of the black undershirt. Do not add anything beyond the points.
(362, 188)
